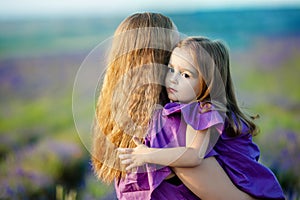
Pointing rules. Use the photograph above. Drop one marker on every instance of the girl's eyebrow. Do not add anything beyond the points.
(170, 64)
(193, 71)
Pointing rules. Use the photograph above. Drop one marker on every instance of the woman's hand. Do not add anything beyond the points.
(134, 157)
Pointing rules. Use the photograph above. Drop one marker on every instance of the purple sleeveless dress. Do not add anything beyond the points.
(238, 156)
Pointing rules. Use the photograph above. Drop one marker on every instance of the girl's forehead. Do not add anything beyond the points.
(182, 55)
(180, 51)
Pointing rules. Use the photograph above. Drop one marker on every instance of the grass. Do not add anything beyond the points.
(61, 194)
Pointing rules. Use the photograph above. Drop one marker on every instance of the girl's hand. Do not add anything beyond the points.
(134, 157)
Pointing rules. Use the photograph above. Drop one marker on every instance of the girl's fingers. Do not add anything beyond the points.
(125, 150)
(131, 166)
(124, 156)
(127, 161)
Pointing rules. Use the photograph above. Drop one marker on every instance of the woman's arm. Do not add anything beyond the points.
(210, 182)
(189, 156)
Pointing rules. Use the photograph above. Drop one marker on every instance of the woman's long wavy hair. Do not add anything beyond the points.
(132, 88)
(211, 60)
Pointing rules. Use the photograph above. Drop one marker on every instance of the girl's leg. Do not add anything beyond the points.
(209, 181)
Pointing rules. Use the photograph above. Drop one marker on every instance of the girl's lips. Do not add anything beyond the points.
(171, 90)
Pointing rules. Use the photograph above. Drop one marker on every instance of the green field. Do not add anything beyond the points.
(41, 151)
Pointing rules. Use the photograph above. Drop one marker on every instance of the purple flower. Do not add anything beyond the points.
(281, 152)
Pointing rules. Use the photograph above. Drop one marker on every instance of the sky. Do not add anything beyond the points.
(23, 8)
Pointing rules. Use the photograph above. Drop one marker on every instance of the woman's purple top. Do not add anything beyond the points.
(238, 155)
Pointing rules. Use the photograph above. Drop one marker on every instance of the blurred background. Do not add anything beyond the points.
(43, 43)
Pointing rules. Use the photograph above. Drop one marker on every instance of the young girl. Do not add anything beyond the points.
(203, 120)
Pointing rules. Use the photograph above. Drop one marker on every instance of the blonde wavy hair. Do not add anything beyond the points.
(132, 88)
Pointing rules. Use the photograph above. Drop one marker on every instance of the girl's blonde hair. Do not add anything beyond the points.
(132, 88)
(211, 60)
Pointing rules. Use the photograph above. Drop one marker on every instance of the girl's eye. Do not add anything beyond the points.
(185, 75)
(171, 70)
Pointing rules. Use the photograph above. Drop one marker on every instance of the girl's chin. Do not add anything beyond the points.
(172, 99)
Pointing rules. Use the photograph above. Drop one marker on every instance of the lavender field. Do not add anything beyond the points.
(41, 152)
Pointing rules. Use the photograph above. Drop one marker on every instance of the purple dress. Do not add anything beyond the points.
(238, 156)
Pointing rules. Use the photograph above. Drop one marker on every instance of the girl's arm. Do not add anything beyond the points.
(189, 156)
(207, 180)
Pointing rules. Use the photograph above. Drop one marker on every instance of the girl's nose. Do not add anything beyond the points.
(174, 78)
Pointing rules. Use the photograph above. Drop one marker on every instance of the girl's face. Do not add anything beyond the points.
(182, 79)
